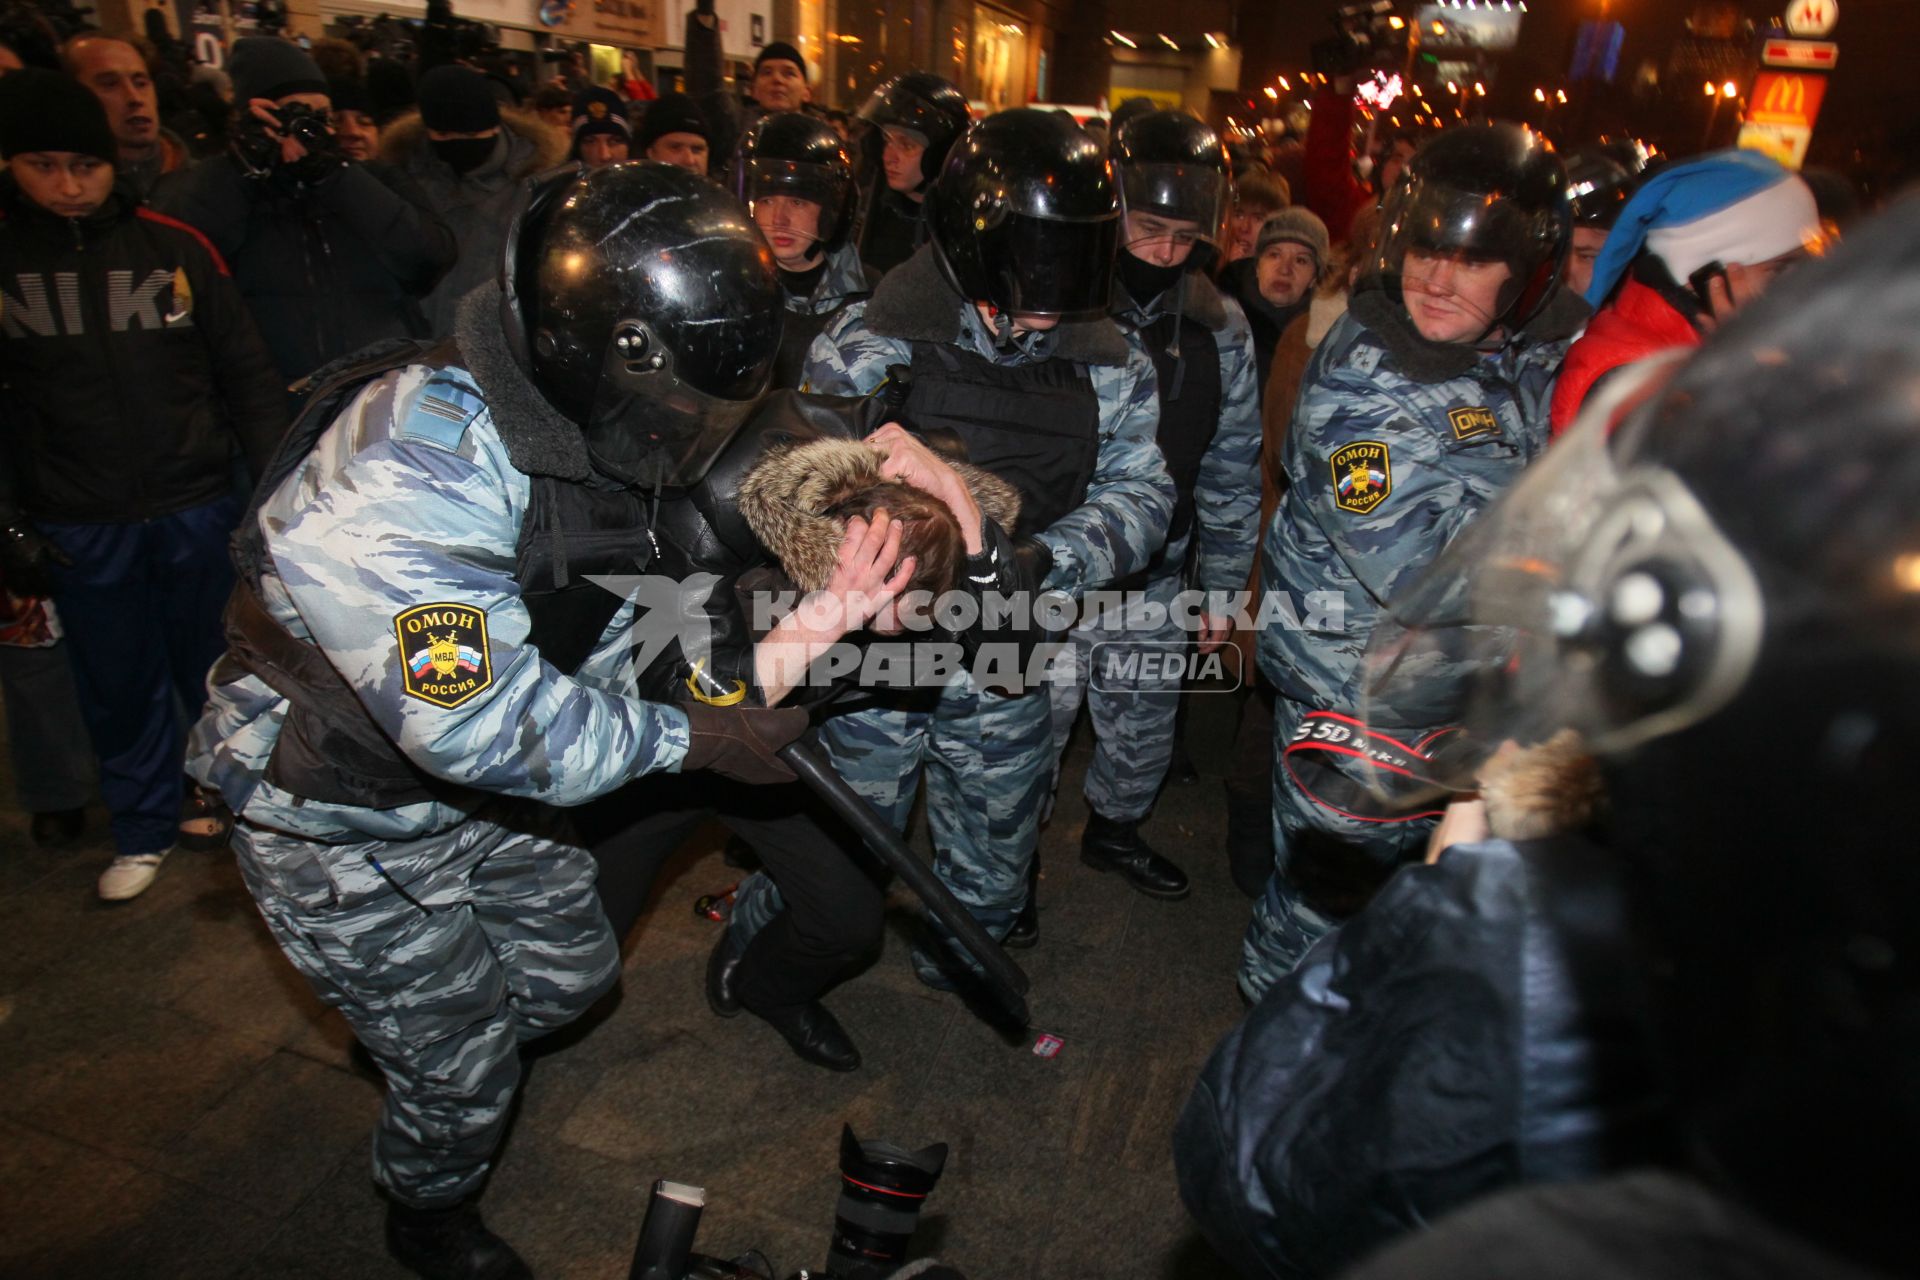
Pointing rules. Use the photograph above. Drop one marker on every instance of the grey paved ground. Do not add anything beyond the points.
(173, 1102)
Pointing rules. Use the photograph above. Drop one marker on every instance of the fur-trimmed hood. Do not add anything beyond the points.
(1551, 788)
(404, 143)
(786, 494)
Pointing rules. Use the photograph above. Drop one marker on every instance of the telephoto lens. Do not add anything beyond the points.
(882, 1187)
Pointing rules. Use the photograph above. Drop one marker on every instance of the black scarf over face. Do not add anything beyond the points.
(463, 155)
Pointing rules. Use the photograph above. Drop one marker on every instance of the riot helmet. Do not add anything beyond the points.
(794, 154)
(1721, 594)
(655, 334)
(1598, 187)
(925, 105)
(1170, 166)
(1024, 216)
(1474, 196)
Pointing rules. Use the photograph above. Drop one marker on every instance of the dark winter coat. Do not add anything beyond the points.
(1475, 1027)
(132, 371)
(327, 267)
(476, 206)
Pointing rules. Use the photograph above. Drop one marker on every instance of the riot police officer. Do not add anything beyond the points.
(1421, 406)
(1598, 188)
(1172, 175)
(1719, 595)
(416, 655)
(795, 176)
(997, 329)
(914, 121)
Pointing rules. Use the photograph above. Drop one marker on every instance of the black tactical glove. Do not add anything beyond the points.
(26, 556)
(742, 743)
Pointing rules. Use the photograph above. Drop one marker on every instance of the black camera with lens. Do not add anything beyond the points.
(882, 1189)
(257, 144)
(309, 126)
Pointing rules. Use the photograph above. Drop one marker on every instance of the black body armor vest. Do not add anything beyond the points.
(329, 748)
(1036, 426)
(1186, 364)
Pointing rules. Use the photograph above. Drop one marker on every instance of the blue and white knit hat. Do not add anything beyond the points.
(1729, 206)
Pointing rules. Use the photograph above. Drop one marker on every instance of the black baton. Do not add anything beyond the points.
(1007, 979)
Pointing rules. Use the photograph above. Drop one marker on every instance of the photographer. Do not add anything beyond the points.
(329, 255)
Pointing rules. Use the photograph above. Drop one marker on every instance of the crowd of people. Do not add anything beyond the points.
(324, 435)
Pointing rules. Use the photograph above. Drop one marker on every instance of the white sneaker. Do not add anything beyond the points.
(130, 875)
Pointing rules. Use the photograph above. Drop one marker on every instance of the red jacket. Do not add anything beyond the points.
(1638, 323)
(1332, 191)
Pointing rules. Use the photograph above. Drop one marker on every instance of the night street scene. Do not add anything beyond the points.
(959, 639)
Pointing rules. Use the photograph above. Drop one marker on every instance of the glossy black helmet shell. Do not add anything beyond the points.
(1598, 187)
(928, 105)
(644, 306)
(1495, 192)
(1170, 164)
(1024, 216)
(794, 154)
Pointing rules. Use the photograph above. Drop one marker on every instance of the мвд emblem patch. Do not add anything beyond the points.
(443, 652)
(1362, 476)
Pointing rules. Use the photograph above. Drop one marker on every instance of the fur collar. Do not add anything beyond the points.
(1322, 314)
(783, 496)
(540, 440)
(915, 303)
(1423, 361)
(1550, 788)
(406, 138)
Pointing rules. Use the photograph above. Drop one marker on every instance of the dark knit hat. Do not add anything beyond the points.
(46, 111)
(780, 51)
(457, 100)
(1299, 225)
(390, 86)
(349, 93)
(671, 113)
(598, 110)
(269, 67)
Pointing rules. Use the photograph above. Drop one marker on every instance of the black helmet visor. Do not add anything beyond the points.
(1045, 266)
(1176, 192)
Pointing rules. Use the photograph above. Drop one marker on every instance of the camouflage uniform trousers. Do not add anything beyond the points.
(1116, 662)
(988, 760)
(1326, 865)
(503, 942)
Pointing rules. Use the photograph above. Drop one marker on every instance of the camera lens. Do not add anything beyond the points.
(882, 1188)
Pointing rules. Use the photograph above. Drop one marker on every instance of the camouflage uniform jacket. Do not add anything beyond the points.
(1227, 491)
(393, 552)
(1123, 519)
(1396, 445)
(843, 281)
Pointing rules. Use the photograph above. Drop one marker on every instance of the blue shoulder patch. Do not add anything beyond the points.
(441, 412)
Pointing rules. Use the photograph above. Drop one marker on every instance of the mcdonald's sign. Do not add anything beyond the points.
(1785, 97)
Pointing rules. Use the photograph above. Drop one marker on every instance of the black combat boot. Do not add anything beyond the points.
(450, 1244)
(1110, 845)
